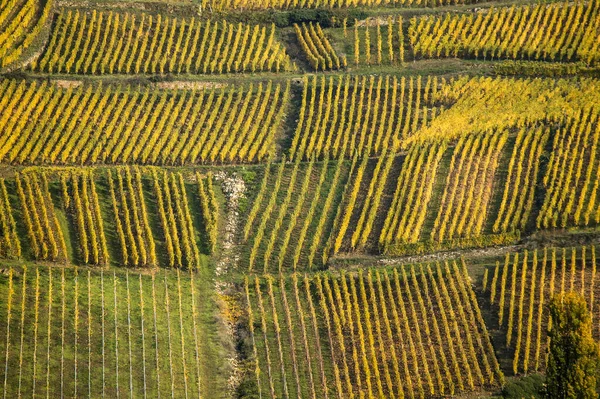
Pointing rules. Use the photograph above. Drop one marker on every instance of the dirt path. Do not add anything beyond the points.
(234, 189)
(538, 240)
(347, 262)
(462, 253)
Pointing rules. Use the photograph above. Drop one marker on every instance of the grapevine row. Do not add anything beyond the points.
(43, 228)
(386, 48)
(571, 179)
(220, 5)
(519, 189)
(21, 22)
(176, 220)
(70, 315)
(366, 115)
(295, 216)
(83, 203)
(317, 48)
(468, 188)
(414, 189)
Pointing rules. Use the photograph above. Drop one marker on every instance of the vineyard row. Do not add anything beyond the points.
(550, 32)
(21, 22)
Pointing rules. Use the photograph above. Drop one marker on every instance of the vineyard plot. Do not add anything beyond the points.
(520, 289)
(107, 42)
(85, 333)
(519, 189)
(44, 232)
(377, 42)
(10, 244)
(289, 224)
(571, 179)
(136, 238)
(317, 48)
(354, 334)
(128, 125)
(176, 221)
(469, 186)
(414, 189)
(473, 105)
(128, 217)
(367, 115)
(21, 22)
(80, 199)
(223, 5)
(365, 199)
(555, 32)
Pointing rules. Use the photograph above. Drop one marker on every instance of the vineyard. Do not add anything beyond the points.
(555, 32)
(106, 43)
(571, 179)
(125, 217)
(317, 47)
(475, 160)
(365, 115)
(294, 211)
(223, 5)
(253, 199)
(420, 165)
(350, 334)
(87, 333)
(122, 124)
(21, 21)
(519, 289)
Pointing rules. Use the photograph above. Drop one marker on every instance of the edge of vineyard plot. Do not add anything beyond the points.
(524, 315)
(128, 329)
(28, 32)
